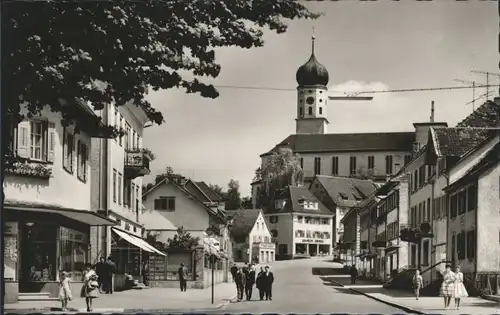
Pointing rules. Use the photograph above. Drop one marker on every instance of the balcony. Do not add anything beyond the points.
(137, 163)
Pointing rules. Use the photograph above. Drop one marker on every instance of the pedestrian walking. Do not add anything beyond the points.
(448, 286)
(101, 271)
(91, 286)
(110, 272)
(354, 274)
(234, 270)
(259, 283)
(183, 277)
(145, 273)
(249, 282)
(460, 290)
(268, 283)
(65, 294)
(239, 279)
(418, 283)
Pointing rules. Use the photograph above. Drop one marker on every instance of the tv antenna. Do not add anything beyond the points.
(487, 74)
(473, 84)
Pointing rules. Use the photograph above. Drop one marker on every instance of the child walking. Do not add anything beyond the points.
(65, 291)
(91, 287)
(418, 283)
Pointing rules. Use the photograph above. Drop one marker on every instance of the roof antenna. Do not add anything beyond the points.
(313, 38)
(432, 112)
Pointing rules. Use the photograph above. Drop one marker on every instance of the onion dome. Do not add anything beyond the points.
(312, 72)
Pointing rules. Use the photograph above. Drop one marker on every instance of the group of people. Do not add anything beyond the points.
(452, 286)
(245, 278)
(96, 279)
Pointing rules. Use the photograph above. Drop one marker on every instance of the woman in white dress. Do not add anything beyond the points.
(460, 290)
(448, 286)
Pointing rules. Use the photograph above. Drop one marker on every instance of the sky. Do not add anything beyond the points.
(365, 46)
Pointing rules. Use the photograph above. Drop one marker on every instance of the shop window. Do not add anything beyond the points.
(73, 251)
(39, 250)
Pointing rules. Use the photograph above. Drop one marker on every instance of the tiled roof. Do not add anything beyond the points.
(291, 195)
(486, 115)
(345, 191)
(243, 222)
(212, 195)
(195, 191)
(338, 142)
(455, 142)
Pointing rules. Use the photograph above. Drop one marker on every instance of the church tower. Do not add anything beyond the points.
(312, 78)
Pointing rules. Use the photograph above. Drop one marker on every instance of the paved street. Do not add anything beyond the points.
(296, 290)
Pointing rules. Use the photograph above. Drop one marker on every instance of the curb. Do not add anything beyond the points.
(402, 307)
(491, 298)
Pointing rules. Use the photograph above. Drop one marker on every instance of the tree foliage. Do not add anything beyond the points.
(246, 203)
(218, 189)
(233, 195)
(183, 240)
(281, 169)
(114, 52)
(364, 173)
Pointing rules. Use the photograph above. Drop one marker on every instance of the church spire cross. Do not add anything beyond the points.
(313, 38)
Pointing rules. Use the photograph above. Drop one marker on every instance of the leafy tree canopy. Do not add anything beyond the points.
(281, 169)
(183, 240)
(246, 203)
(113, 52)
(233, 196)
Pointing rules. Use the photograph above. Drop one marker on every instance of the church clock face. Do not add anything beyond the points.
(310, 100)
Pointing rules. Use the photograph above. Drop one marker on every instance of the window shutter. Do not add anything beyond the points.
(51, 142)
(23, 140)
(72, 162)
(65, 148)
(78, 159)
(86, 161)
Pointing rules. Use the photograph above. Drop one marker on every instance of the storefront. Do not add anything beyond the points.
(313, 247)
(266, 252)
(41, 242)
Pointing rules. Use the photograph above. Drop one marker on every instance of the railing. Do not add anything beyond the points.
(136, 163)
(433, 266)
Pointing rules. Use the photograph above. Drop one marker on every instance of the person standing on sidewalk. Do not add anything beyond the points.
(249, 282)
(354, 274)
(418, 283)
(65, 291)
(110, 272)
(268, 283)
(101, 270)
(259, 284)
(448, 286)
(90, 287)
(183, 277)
(234, 270)
(239, 279)
(460, 290)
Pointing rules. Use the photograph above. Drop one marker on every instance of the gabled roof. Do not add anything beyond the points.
(291, 195)
(346, 191)
(486, 115)
(243, 222)
(212, 195)
(488, 161)
(345, 142)
(457, 141)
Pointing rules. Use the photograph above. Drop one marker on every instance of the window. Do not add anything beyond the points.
(429, 209)
(302, 163)
(317, 166)
(82, 163)
(310, 110)
(325, 221)
(407, 159)
(121, 126)
(165, 204)
(471, 244)
(453, 248)
(352, 165)
(273, 219)
(274, 233)
(471, 197)
(320, 109)
(132, 198)
(388, 164)
(415, 180)
(301, 111)
(266, 239)
(128, 132)
(299, 219)
(425, 254)
(73, 251)
(120, 182)
(431, 169)
(453, 206)
(442, 165)
(114, 184)
(421, 176)
(138, 142)
(424, 218)
(127, 185)
(462, 202)
(37, 140)
(68, 148)
(34, 140)
(371, 162)
(335, 165)
(137, 196)
(461, 246)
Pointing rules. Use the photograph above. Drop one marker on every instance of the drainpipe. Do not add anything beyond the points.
(432, 221)
(105, 168)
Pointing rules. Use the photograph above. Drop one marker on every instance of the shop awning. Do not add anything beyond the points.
(139, 242)
(85, 216)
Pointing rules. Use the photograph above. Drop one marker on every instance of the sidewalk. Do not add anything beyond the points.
(154, 299)
(425, 305)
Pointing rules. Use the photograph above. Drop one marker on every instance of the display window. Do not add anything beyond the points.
(73, 252)
(39, 250)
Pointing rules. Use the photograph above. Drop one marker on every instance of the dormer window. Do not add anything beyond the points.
(343, 196)
(358, 198)
(279, 204)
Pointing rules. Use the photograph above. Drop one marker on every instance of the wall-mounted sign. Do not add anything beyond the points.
(10, 228)
(310, 241)
(267, 245)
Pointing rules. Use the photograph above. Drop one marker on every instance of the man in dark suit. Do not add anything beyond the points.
(268, 280)
(354, 274)
(110, 272)
(183, 277)
(249, 282)
(101, 271)
(239, 279)
(234, 270)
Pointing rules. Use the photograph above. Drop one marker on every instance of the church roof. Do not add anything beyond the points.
(348, 142)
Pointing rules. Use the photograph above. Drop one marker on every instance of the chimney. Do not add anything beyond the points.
(422, 130)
